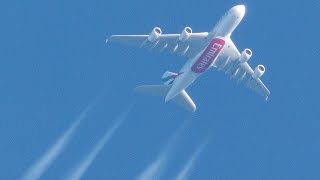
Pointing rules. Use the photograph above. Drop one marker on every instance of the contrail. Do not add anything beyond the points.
(188, 167)
(43, 163)
(83, 166)
(155, 170)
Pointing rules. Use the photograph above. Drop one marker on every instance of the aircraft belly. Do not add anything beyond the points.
(208, 56)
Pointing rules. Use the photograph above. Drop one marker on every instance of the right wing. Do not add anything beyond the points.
(167, 43)
(241, 72)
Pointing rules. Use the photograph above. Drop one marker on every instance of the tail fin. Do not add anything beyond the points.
(168, 77)
(182, 99)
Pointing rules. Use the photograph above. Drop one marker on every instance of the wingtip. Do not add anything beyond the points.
(137, 90)
(107, 40)
(267, 98)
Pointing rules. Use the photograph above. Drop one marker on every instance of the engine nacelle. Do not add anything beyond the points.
(245, 55)
(258, 71)
(155, 34)
(185, 34)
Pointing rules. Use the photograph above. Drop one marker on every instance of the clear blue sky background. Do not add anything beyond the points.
(54, 63)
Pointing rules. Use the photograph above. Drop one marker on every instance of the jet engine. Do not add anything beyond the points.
(185, 34)
(258, 71)
(155, 34)
(245, 55)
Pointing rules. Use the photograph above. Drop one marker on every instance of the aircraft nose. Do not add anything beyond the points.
(240, 9)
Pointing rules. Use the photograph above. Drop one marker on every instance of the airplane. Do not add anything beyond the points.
(204, 51)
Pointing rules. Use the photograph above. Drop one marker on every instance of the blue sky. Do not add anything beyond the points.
(54, 64)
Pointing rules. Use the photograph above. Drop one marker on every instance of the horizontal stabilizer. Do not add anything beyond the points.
(182, 99)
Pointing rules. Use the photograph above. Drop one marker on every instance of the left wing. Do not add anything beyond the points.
(241, 72)
(167, 43)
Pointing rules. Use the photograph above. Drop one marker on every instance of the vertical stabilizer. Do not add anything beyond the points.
(168, 77)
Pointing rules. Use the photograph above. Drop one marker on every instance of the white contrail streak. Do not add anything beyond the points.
(43, 163)
(188, 167)
(83, 166)
(155, 170)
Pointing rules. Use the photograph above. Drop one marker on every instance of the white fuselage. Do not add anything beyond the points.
(204, 60)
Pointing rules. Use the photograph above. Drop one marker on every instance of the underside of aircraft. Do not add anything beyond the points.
(204, 51)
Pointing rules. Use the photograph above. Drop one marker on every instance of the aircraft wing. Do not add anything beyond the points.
(241, 72)
(166, 43)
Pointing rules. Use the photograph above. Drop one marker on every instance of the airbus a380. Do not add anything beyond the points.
(204, 50)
